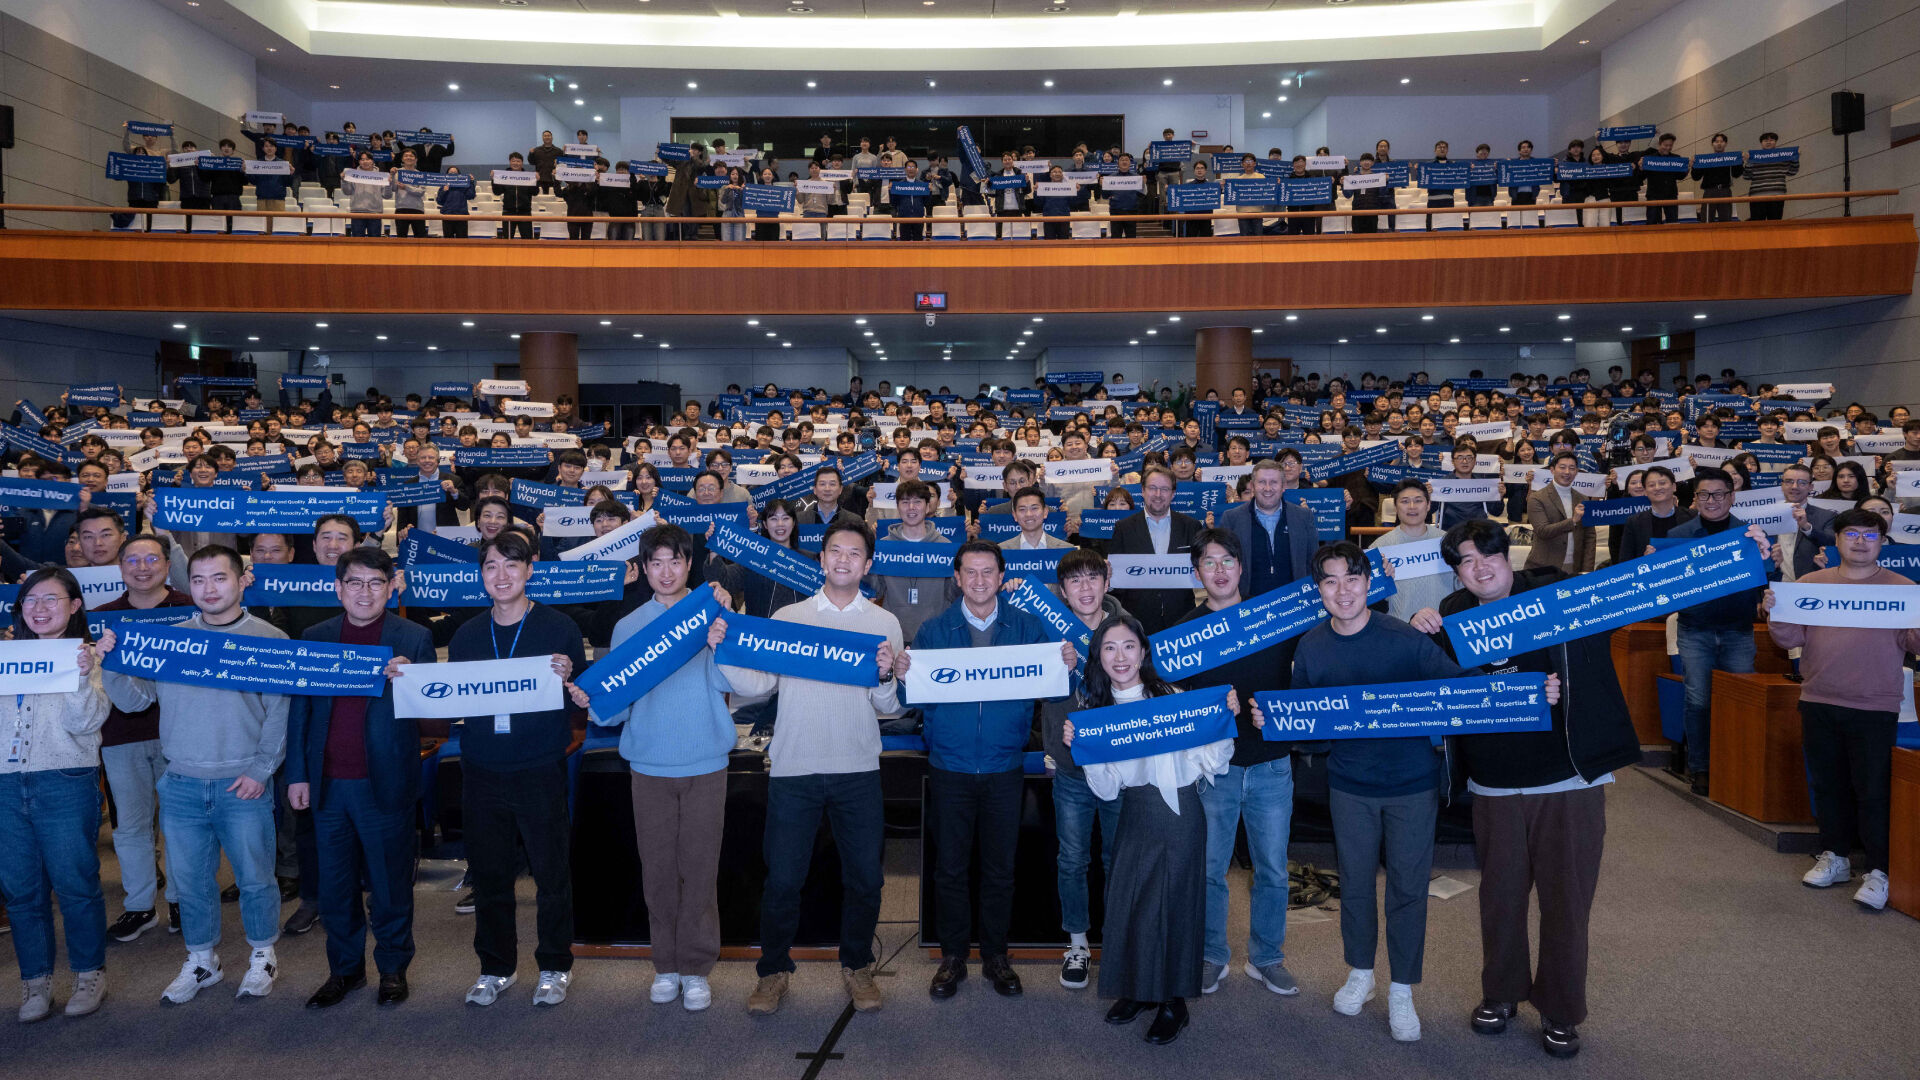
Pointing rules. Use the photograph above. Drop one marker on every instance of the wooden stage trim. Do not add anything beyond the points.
(1798, 258)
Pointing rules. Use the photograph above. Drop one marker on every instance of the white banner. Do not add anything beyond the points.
(1416, 560)
(526, 408)
(477, 688)
(1774, 518)
(1804, 391)
(276, 167)
(1090, 471)
(1495, 431)
(1906, 528)
(1883, 443)
(1123, 389)
(462, 534)
(619, 545)
(1113, 182)
(515, 178)
(1906, 484)
(1224, 474)
(990, 673)
(1036, 166)
(1363, 181)
(53, 666)
(1068, 189)
(575, 174)
(99, 584)
(502, 387)
(1832, 506)
(1519, 474)
(1592, 485)
(754, 475)
(813, 187)
(1704, 456)
(1881, 607)
(1757, 496)
(616, 179)
(124, 481)
(615, 479)
(1475, 489)
(1487, 463)
(255, 118)
(367, 176)
(836, 175)
(985, 477)
(580, 149)
(1681, 468)
(567, 521)
(1803, 430)
(191, 157)
(1331, 162)
(1153, 572)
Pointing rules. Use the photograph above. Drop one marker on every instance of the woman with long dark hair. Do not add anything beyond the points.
(757, 594)
(1153, 939)
(50, 807)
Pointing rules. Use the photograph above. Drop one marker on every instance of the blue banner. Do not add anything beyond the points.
(107, 395)
(451, 389)
(913, 558)
(415, 494)
(1062, 624)
(1614, 171)
(540, 496)
(768, 197)
(1151, 726)
(1384, 454)
(1006, 183)
(1062, 377)
(307, 382)
(99, 622)
(1778, 153)
(505, 457)
(1651, 586)
(1718, 161)
(1098, 524)
(770, 560)
(1193, 198)
(656, 169)
(1329, 506)
(1037, 564)
(417, 178)
(422, 546)
(1663, 163)
(678, 480)
(709, 181)
(1252, 192)
(360, 451)
(137, 168)
(671, 151)
(1192, 498)
(142, 127)
(657, 650)
(1483, 173)
(970, 150)
(1029, 396)
(247, 664)
(908, 188)
(426, 138)
(1169, 150)
(1602, 512)
(1477, 705)
(297, 585)
(1899, 558)
(211, 163)
(1198, 645)
(19, 493)
(1627, 133)
(1307, 190)
(1526, 172)
(695, 517)
(1002, 527)
(445, 585)
(330, 150)
(1443, 175)
(800, 651)
(291, 512)
(1774, 453)
(1396, 172)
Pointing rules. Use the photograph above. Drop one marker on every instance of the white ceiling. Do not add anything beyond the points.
(972, 338)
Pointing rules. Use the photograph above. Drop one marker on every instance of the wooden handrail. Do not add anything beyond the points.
(389, 215)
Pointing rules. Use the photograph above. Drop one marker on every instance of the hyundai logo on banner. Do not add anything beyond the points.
(946, 675)
(436, 690)
(1808, 603)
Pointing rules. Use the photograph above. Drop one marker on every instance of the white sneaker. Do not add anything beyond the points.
(89, 990)
(666, 987)
(1357, 992)
(199, 972)
(553, 987)
(261, 969)
(1873, 891)
(36, 999)
(695, 994)
(1401, 1019)
(1829, 869)
(487, 989)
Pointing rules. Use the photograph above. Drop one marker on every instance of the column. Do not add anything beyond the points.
(1222, 360)
(550, 362)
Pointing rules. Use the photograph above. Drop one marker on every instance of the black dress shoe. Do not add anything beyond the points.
(230, 894)
(946, 981)
(1492, 1016)
(1167, 1022)
(1558, 1041)
(335, 990)
(1699, 784)
(1126, 1009)
(393, 987)
(1001, 974)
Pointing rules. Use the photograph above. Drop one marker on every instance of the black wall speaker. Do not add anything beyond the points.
(1849, 112)
(6, 127)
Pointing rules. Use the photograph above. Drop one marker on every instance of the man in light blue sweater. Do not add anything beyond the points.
(676, 739)
(222, 749)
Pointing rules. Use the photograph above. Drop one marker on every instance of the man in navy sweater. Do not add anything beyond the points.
(357, 766)
(976, 779)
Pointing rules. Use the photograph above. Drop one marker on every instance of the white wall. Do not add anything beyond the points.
(1413, 124)
(38, 361)
(1573, 112)
(484, 132)
(1258, 140)
(1689, 39)
(150, 41)
(1312, 131)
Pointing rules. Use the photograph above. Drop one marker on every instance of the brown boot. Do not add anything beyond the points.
(861, 988)
(765, 999)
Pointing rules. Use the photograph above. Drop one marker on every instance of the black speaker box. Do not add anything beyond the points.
(6, 127)
(1849, 112)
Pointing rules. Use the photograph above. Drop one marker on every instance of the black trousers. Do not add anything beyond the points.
(969, 807)
(851, 803)
(1126, 229)
(505, 812)
(409, 223)
(356, 838)
(1523, 198)
(521, 229)
(579, 230)
(1766, 211)
(1547, 846)
(455, 229)
(1850, 776)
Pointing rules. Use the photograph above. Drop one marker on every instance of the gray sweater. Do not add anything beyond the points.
(209, 734)
(57, 731)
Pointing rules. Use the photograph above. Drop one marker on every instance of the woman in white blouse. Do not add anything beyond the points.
(1153, 937)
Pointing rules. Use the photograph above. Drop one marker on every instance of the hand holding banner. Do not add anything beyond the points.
(990, 673)
(799, 651)
(43, 666)
(1161, 725)
(526, 684)
(247, 664)
(1481, 705)
(1882, 607)
(641, 662)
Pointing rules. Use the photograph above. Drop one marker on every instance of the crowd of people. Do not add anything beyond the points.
(701, 180)
(320, 792)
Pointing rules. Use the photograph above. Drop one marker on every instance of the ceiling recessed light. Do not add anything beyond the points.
(866, 333)
(1266, 116)
(1049, 82)
(1282, 97)
(1426, 318)
(1173, 318)
(179, 326)
(860, 321)
(573, 86)
(1343, 341)
(1150, 333)
(579, 101)
(272, 49)
(1563, 317)
(1404, 82)
(1037, 318)
(1133, 341)
(1026, 333)
(1626, 329)
(606, 322)
(1293, 318)
(799, 9)
(753, 322)
(1454, 340)
(1702, 315)
(1506, 329)
(770, 333)
(319, 326)
(930, 83)
(453, 86)
(1583, 41)
(1380, 330)
(693, 86)
(433, 348)
(597, 119)
(333, 86)
(639, 335)
(253, 337)
(1526, 80)
(1566, 339)
(383, 337)
(313, 348)
(1286, 82)
(1258, 330)
(664, 345)
(1166, 82)
(789, 345)
(811, 84)
(193, 3)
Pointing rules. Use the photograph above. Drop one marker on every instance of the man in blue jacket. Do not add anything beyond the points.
(976, 780)
(1278, 538)
(358, 767)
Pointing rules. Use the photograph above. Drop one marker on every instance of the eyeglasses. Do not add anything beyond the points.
(135, 562)
(1713, 496)
(44, 600)
(354, 584)
(1857, 535)
(1224, 562)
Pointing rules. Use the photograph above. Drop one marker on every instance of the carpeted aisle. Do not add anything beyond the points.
(1710, 961)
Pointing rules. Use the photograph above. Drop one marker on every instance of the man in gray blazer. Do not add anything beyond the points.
(1287, 537)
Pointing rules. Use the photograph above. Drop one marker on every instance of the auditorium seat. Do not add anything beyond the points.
(1020, 230)
(1410, 223)
(1689, 210)
(1338, 225)
(171, 223)
(946, 223)
(1633, 215)
(1087, 230)
(1487, 219)
(1558, 216)
(979, 230)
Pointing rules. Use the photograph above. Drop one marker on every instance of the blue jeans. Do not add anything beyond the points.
(1702, 652)
(133, 771)
(1262, 795)
(202, 819)
(851, 803)
(49, 825)
(355, 837)
(1075, 810)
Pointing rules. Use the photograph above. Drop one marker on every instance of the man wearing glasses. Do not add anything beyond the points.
(1797, 549)
(1716, 635)
(357, 766)
(1258, 785)
(130, 752)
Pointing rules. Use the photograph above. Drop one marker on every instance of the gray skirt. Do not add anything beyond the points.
(1154, 937)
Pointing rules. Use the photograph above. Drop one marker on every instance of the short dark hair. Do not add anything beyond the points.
(511, 545)
(352, 525)
(370, 558)
(76, 623)
(1228, 542)
(847, 524)
(981, 547)
(1415, 483)
(1082, 561)
(1711, 472)
(1567, 454)
(1030, 491)
(1661, 470)
(95, 513)
(217, 551)
(913, 489)
(1858, 518)
(1486, 537)
(1353, 559)
(612, 508)
(677, 541)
